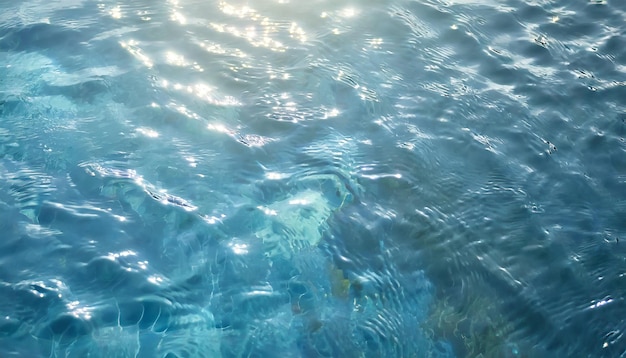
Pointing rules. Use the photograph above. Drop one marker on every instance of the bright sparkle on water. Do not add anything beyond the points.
(312, 178)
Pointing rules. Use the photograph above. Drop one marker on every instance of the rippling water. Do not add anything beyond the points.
(186, 178)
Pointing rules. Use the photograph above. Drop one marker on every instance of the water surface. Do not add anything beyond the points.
(396, 178)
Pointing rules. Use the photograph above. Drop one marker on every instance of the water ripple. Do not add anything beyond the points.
(193, 178)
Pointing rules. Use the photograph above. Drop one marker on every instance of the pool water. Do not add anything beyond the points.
(193, 178)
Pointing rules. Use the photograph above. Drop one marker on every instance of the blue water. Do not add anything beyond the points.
(194, 178)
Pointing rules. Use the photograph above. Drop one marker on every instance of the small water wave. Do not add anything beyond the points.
(192, 178)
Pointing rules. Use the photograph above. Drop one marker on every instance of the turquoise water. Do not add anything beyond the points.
(186, 178)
